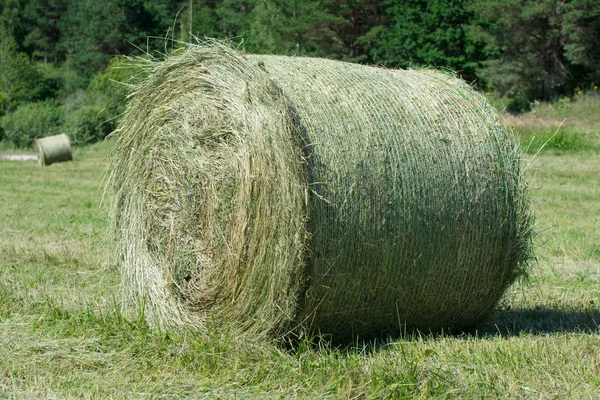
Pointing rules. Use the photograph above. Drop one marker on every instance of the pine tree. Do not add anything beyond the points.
(290, 27)
(526, 41)
(429, 33)
(359, 24)
(582, 29)
(94, 31)
(43, 17)
(232, 16)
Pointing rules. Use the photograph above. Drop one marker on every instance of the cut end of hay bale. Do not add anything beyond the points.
(292, 196)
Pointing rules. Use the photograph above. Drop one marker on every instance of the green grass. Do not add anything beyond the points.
(582, 108)
(534, 139)
(566, 124)
(62, 335)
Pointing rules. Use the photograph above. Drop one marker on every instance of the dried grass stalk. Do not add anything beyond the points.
(280, 195)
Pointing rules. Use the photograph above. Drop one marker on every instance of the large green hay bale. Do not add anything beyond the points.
(52, 149)
(281, 195)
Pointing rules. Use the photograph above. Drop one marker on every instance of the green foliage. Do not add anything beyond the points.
(52, 81)
(97, 112)
(93, 32)
(116, 78)
(204, 22)
(90, 116)
(31, 121)
(524, 50)
(526, 43)
(290, 27)
(358, 24)
(518, 103)
(582, 25)
(232, 16)
(44, 19)
(553, 138)
(11, 20)
(19, 78)
(72, 80)
(429, 33)
(87, 124)
(2, 103)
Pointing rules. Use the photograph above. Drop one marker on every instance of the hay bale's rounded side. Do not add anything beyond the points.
(279, 195)
(420, 211)
(52, 149)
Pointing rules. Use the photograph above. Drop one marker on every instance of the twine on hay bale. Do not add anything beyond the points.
(280, 195)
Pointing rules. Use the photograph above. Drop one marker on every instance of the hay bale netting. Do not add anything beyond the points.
(286, 195)
(52, 149)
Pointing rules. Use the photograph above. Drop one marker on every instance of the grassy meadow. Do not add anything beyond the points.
(62, 335)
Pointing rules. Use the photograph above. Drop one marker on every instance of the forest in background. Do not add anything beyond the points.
(60, 59)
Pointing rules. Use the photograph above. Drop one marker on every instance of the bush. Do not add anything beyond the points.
(515, 104)
(114, 79)
(89, 117)
(518, 104)
(87, 124)
(30, 121)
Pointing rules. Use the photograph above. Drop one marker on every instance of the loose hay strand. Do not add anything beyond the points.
(277, 195)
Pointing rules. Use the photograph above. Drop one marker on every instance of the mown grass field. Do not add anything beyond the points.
(62, 335)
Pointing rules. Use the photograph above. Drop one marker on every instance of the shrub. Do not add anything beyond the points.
(87, 124)
(518, 104)
(114, 79)
(31, 121)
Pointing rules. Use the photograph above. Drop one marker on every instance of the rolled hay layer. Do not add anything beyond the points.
(52, 149)
(280, 196)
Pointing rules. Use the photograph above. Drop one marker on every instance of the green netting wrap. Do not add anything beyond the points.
(280, 196)
(53, 149)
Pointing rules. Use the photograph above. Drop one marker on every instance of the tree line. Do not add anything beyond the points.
(57, 51)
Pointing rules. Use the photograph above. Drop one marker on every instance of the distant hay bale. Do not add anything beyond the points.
(52, 149)
(293, 196)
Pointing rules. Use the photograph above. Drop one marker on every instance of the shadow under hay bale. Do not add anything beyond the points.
(292, 196)
(53, 149)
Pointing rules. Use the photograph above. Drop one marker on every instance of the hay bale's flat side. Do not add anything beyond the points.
(275, 195)
(211, 197)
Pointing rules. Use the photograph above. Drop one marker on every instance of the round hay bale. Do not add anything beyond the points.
(281, 196)
(53, 149)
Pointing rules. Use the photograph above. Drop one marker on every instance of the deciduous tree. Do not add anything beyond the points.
(18, 77)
